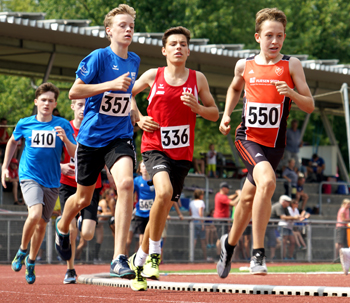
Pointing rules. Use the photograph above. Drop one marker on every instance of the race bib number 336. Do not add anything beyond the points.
(263, 115)
(43, 138)
(118, 105)
(175, 136)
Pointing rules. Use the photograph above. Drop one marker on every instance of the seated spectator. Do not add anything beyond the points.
(12, 181)
(211, 161)
(315, 169)
(291, 176)
(294, 211)
(340, 229)
(198, 165)
(301, 195)
(4, 137)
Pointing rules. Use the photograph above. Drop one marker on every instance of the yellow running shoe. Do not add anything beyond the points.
(139, 283)
(151, 267)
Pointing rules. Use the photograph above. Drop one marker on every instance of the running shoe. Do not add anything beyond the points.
(258, 265)
(70, 277)
(18, 261)
(151, 267)
(120, 268)
(30, 272)
(344, 254)
(62, 244)
(139, 283)
(223, 267)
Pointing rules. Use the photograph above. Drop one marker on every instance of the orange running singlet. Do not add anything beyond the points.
(265, 111)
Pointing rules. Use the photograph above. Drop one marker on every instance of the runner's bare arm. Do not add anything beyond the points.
(232, 97)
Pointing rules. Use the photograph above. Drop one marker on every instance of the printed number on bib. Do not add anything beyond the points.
(145, 204)
(118, 105)
(175, 136)
(263, 115)
(43, 138)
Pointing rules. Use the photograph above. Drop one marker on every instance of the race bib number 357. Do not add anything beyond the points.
(43, 138)
(118, 105)
(175, 136)
(263, 115)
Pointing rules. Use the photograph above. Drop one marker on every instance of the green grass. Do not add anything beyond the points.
(277, 269)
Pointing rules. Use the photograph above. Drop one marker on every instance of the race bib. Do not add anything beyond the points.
(43, 138)
(263, 115)
(117, 105)
(145, 204)
(175, 136)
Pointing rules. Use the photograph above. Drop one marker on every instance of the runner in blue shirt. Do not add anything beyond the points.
(39, 170)
(106, 78)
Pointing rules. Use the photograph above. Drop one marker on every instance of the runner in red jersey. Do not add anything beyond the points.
(69, 187)
(269, 80)
(168, 138)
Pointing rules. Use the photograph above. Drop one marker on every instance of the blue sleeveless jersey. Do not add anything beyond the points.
(107, 115)
(40, 160)
(146, 195)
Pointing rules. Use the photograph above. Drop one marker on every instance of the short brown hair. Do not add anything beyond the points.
(179, 30)
(122, 9)
(269, 14)
(197, 193)
(47, 87)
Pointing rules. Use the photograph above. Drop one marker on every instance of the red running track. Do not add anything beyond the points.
(49, 286)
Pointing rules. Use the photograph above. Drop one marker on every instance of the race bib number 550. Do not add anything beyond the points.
(263, 115)
(43, 138)
(175, 136)
(118, 105)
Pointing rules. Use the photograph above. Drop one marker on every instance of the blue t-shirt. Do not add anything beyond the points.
(146, 195)
(316, 163)
(40, 160)
(106, 115)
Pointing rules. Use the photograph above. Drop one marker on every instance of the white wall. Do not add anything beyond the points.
(328, 153)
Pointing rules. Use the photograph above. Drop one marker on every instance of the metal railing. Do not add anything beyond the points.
(179, 245)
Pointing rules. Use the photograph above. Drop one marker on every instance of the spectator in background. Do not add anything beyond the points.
(340, 229)
(315, 169)
(301, 195)
(198, 165)
(12, 181)
(56, 112)
(4, 137)
(294, 211)
(293, 144)
(211, 161)
(222, 207)
(211, 231)
(197, 207)
(290, 174)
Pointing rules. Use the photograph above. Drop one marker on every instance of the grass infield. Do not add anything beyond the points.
(277, 269)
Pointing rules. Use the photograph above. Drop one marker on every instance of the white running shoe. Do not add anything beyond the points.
(258, 265)
(344, 254)
(223, 267)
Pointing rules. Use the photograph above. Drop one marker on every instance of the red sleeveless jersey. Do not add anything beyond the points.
(265, 111)
(177, 122)
(70, 180)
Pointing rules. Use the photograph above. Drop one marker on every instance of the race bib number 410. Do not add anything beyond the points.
(175, 136)
(43, 138)
(118, 105)
(263, 115)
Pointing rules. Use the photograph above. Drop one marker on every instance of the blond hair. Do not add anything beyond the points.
(122, 9)
(345, 201)
(269, 14)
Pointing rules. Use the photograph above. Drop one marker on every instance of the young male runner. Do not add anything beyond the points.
(39, 170)
(105, 78)
(168, 138)
(69, 187)
(269, 80)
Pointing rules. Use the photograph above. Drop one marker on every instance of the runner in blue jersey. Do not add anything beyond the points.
(106, 78)
(39, 171)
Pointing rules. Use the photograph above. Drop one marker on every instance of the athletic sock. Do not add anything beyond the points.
(30, 261)
(23, 251)
(140, 258)
(97, 250)
(229, 248)
(154, 247)
(261, 251)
